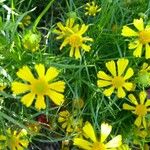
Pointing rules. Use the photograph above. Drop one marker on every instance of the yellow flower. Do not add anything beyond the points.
(97, 144)
(39, 87)
(62, 31)
(14, 140)
(76, 41)
(140, 108)
(92, 9)
(141, 38)
(25, 22)
(2, 87)
(118, 78)
(143, 77)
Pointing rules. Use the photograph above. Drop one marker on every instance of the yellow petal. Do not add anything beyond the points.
(147, 53)
(128, 107)
(138, 23)
(89, 131)
(70, 22)
(133, 45)
(121, 93)
(83, 29)
(103, 75)
(58, 86)
(40, 102)
(51, 73)
(103, 83)
(128, 86)
(86, 47)
(115, 142)
(132, 99)
(138, 51)
(122, 64)
(40, 70)
(147, 103)
(142, 97)
(71, 51)
(65, 42)
(138, 121)
(105, 131)
(25, 74)
(108, 91)
(77, 53)
(2, 138)
(126, 31)
(111, 66)
(60, 26)
(82, 143)
(129, 73)
(56, 97)
(18, 88)
(28, 99)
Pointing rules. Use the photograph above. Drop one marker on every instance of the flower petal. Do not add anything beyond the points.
(103, 75)
(58, 86)
(132, 99)
(40, 70)
(82, 143)
(85, 47)
(138, 23)
(108, 91)
(115, 142)
(89, 131)
(71, 51)
(147, 53)
(103, 83)
(126, 31)
(128, 86)
(138, 121)
(77, 53)
(25, 74)
(51, 73)
(64, 43)
(105, 131)
(129, 73)
(56, 97)
(128, 107)
(138, 51)
(134, 44)
(142, 97)
(18, 88)
(122, 64)
(111, 66)
(28, 99)
(121, 93)
(40, 102)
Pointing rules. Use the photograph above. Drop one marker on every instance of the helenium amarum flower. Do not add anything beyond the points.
(141, 38)
(117, 80)
(38, 88)
(139, 107)
(91, 142)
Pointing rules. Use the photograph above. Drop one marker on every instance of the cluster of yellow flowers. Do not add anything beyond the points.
(39, 85)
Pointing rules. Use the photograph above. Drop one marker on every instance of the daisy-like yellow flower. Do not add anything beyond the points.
(140, 38)
(92, 143)
(62, 31)
(76, 41)
(92, 9)
(139, 108)
(120, 74)
(143, 77)
(39, 87)
(14, 140)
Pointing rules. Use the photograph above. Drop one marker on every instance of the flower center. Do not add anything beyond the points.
(75, 40)
(92, 10)
(98, 146)
(141, 110)
(145, 36)
(39, 86)
(118, 81)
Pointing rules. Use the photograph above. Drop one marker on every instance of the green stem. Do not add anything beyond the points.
(13, 8)
(42, 14)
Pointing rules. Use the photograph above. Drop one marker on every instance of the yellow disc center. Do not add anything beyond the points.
(75, 40)
(92, 10)
(145, 36)
(141, 110)
(118, 81)
(98, 146)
